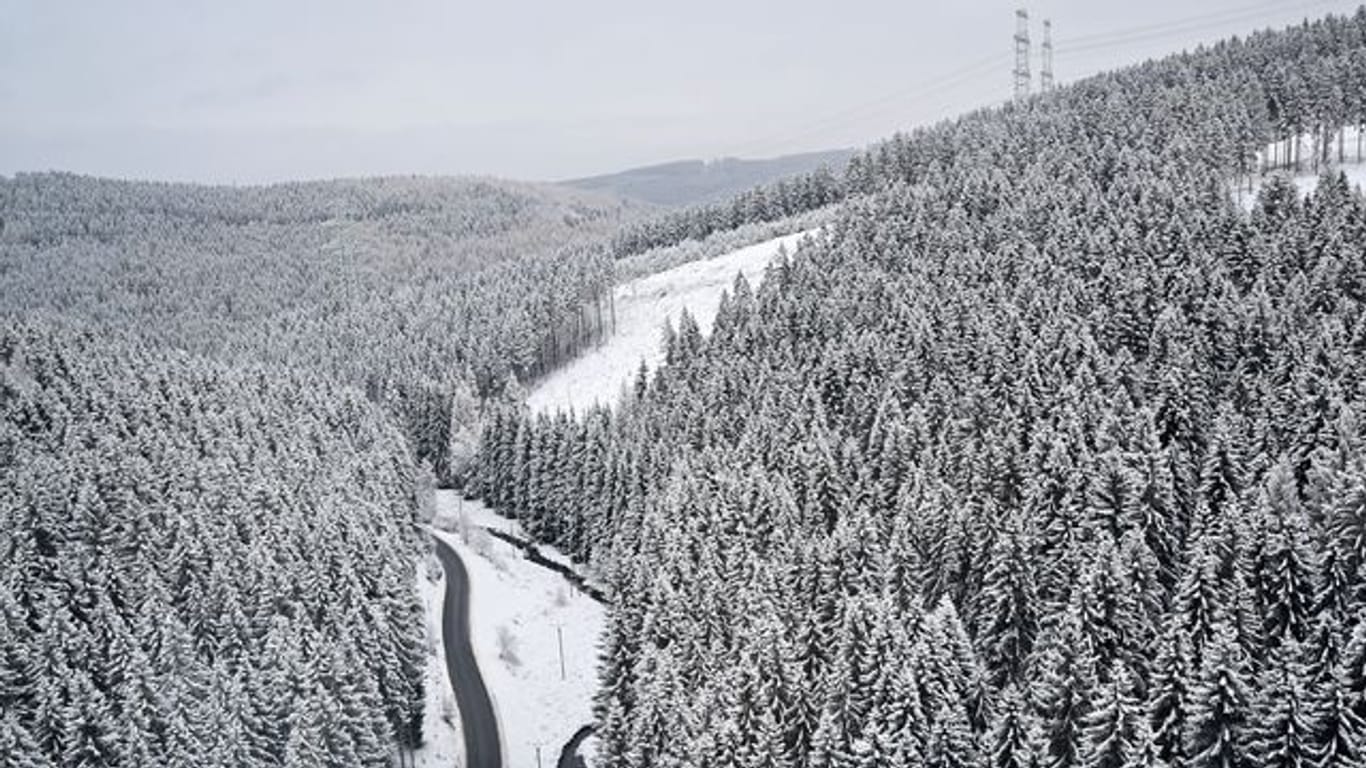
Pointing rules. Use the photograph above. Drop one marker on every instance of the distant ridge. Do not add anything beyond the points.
(695, 181)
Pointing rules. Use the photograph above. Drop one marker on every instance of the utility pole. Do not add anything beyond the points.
(1046, 72)
(1021, 54)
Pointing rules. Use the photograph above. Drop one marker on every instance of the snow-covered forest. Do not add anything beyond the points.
(781, 199)
(1044, 453)
(203, 566)
(1042, 448)
(222, 409)
(419, 292)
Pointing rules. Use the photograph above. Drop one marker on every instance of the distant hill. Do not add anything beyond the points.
(697, 181)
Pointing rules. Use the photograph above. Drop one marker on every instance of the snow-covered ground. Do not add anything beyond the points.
(1277, 154)
(519, 612)
(643, 305)
(444, 747)
(1307, 179)
(1306, 182)
(476, 515)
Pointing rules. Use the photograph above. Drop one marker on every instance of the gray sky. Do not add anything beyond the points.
(251, 90)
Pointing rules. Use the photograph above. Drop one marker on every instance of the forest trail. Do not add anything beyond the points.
(483, 749)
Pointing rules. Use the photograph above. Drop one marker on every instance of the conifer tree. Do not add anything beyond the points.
(1337, 732)
(1014, 738)
(1217, 730)
(1169, 698)
(1282, 717)
(1286, 567)
(1111, 727)
(1009, 610)
(1064, 690)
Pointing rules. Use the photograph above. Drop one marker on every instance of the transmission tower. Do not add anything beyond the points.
(1021, 54)
(1046, 71)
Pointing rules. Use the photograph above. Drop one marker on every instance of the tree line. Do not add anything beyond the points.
(765, 203)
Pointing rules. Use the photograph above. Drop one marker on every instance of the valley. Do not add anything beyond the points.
(1030, 435)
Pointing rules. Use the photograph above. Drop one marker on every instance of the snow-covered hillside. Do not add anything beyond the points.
(643, 305)
(519, 615)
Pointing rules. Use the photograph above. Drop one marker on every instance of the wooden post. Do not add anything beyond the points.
(559, 633)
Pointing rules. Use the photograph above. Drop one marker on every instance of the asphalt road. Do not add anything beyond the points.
(483, 749)
(569, 756)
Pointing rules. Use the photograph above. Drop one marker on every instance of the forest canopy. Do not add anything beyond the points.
(415, 291)
(203, 565)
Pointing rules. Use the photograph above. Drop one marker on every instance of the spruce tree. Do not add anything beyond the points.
(1013, 741)
(1282, 718)
(1065, 685)
(1217, 730)
(1008, 612)
(1111, 727)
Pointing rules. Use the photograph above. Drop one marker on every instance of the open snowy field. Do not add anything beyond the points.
(519, 613)
(643, 305)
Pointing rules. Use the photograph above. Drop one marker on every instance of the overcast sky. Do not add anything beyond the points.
(244, 91)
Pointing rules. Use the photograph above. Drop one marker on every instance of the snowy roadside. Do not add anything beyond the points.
(520, 617)
(444, 746)
(642, 307)
(477, 515)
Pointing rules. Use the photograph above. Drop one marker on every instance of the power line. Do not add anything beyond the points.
(1094, 36)
(1180, 27)
(919, 90)
(1068, 48)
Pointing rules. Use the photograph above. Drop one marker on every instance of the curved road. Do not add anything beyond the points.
(569, 756)
(482, 746)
